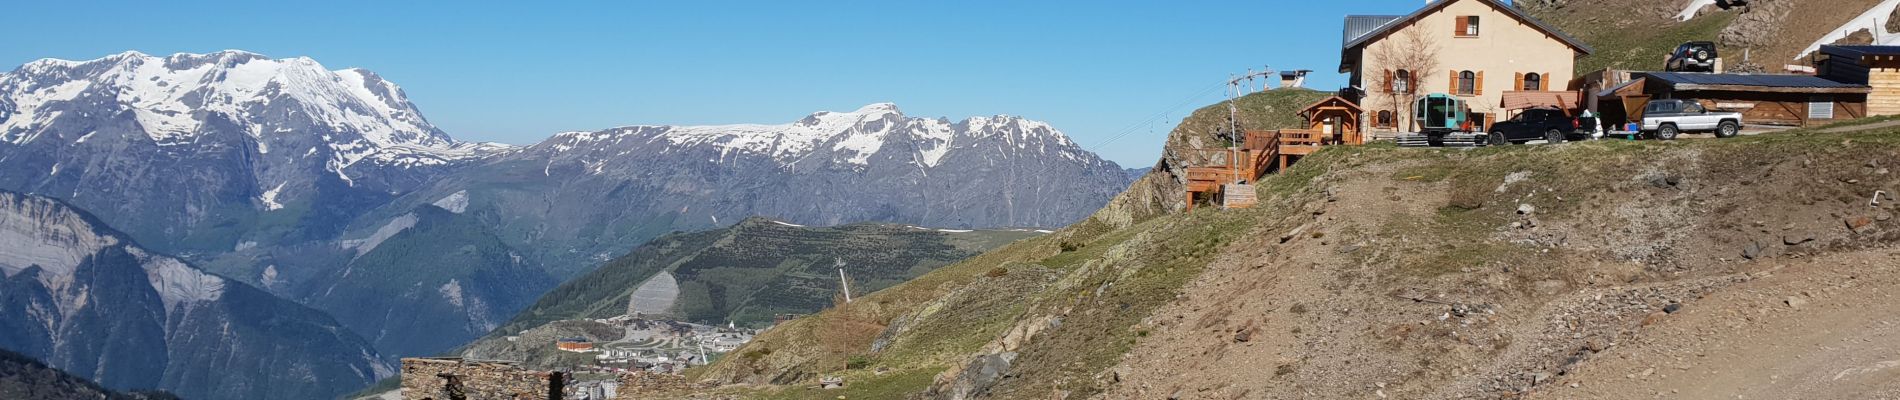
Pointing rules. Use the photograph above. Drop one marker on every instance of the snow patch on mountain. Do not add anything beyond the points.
(1689, 11)
(1871, 21)
(269, 198)
(456, 202)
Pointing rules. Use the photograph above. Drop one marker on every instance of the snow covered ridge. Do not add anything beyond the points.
(1689, 10)
(1873, 21)
(172, 98)
(853, 136)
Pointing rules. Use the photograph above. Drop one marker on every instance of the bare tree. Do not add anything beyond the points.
(1406, 59)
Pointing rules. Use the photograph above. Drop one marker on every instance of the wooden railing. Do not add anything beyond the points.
(1259, 153)
(1302, 138)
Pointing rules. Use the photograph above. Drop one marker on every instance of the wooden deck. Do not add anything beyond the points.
(1261, 153)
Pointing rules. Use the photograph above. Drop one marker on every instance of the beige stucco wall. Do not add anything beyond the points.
(1503, 48)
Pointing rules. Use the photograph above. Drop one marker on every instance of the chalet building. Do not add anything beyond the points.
(1479, 50)
(575, 344)
(1878, 67)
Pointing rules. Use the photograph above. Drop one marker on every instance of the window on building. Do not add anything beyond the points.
(1402, 82)
(1385, 119)
(1533, 81)
(1467, 82)
(1821, 107)
(1467, 26)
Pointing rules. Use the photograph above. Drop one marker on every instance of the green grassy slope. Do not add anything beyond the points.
(1630, 34)
(752, 270)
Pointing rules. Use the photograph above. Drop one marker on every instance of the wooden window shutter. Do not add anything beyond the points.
(1480, 84)
(1544, 83)
(1520, 82)
(1454, 83)
(1388, 81)
(1463, 23)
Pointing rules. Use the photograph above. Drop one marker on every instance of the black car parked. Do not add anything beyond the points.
(1533, 124)
(1692, 57)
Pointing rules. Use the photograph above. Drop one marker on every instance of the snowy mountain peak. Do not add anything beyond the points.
(856, 138)
(174, 97)
(181, 98)
(879, 108)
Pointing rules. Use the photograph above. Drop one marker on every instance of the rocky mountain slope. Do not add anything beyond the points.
(443, 279)
(23, 378)
(89, 300)
(1605, 269)
(1762, 37)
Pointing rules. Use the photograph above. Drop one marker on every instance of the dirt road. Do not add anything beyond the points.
(1819, 328)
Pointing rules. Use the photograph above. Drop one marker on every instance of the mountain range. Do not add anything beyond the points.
(330, 189)
(90, 300)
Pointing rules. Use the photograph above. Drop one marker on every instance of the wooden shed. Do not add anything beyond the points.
(1878, 67)
(1764, 98)
(1336, 119)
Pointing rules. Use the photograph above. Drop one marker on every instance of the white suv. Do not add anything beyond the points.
(1664, 119)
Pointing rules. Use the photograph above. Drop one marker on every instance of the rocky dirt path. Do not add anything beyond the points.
(1819, 328)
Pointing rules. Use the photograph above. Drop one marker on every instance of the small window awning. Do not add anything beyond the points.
(1520, 100)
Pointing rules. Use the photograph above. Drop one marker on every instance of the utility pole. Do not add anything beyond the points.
(1233, 113)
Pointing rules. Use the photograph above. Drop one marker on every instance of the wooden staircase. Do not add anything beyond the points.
(1230, 180)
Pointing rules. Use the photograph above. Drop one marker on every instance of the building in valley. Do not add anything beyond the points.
(1478, 50)
(575, 344)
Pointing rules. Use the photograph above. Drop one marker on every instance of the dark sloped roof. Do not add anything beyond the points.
(1862, 50)
(1360, 39)
(1762, 80)
(1358, 26)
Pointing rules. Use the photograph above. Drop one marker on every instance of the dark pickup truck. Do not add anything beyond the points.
(1533, 124)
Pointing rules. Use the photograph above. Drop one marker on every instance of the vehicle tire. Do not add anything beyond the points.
(1727, 129)
(1667, 132)
(1554, 136)
(1497, 139)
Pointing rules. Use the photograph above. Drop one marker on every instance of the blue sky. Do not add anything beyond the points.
(518, 72)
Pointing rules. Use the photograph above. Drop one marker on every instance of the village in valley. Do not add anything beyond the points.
(1468, 73)
(646, 351)
(662, 346)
